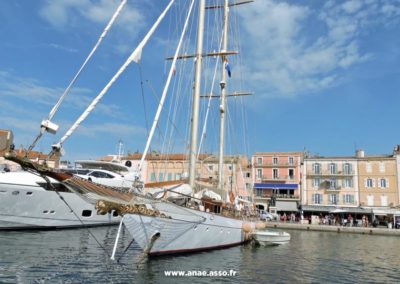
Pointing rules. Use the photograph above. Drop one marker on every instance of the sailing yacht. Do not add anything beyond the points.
(158, 225)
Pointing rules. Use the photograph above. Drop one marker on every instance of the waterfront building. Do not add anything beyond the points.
(6, 139)
(159, 167)
(378, 182)
(277, 179)
(396, 154)
(330, 183)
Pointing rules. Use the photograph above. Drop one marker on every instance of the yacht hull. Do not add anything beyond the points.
(193, 231)
(26, 206)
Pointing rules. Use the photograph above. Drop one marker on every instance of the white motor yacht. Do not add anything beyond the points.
(27, 201)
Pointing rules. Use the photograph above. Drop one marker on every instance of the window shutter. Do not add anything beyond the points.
(365, 182)
(387, 183)
(373, 182)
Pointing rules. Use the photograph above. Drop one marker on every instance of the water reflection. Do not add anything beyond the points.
(74, 256)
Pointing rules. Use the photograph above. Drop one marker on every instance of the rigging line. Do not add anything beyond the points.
(69, 207)
(237, 34)
(160, 107)
(168, 117)
(143, 100)
(209, 103)
(134, 57)
(125, 250)
(67, 90)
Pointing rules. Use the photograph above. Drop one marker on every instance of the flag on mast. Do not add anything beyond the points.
(228, 67)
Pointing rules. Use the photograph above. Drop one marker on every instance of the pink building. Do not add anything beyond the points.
(277, 180)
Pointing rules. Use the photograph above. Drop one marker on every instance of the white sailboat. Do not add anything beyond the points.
(181, 229)
(158, 225)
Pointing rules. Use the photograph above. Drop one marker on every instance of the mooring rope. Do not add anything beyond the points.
(72, 210)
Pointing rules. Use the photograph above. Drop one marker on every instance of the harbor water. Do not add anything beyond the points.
(75, 256)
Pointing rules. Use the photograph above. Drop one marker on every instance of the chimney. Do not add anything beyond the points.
(360, 153)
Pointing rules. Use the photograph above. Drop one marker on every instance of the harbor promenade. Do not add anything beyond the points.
(334, 229)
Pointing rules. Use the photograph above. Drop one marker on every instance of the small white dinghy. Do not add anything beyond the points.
(271, 237)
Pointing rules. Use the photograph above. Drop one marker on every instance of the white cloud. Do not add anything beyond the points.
(113, 129)
(33, 92)
(61, 14)
(351, 6)
(297, 49)
(57, 46)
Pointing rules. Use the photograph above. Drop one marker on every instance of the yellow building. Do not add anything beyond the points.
(378, 181)
(330, 182)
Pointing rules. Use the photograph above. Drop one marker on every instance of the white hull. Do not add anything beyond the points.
(271, 237)
(189, 232)
(26, 205)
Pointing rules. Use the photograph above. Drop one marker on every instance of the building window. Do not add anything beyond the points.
(230, 167)
(161, 177)
(368, 167)
(291, 174)
(369, 183)
(169, 176)
(178, 176)
(316, 182)
(333, 184)
(248, 185)
(317, 198)
(275, 160)
(211, 167)
(384, 200)
(333, 199)
(153, 177)
(317, 168)
(291, 161)
(348, 182)
(259, 173)
(347, 169)
(259, 161)
(382, 167)
(382, 183)
(230, 180)
(259, 192)
(333, 168)
(370, 200)
(247, 175)
(348, 199)
(275, 173)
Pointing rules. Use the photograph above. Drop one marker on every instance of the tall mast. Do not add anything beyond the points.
(196, 96)
(223, 84)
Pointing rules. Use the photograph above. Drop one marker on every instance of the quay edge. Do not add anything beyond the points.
(334, 229)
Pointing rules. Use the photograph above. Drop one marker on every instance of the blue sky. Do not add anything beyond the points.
(325, 74)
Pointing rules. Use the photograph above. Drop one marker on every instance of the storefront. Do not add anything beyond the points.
(387, 217)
